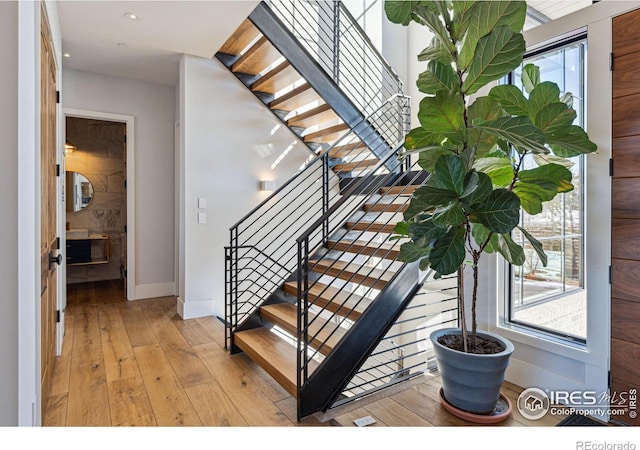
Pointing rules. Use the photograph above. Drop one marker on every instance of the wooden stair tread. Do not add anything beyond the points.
(314, 116)
(277, 79)
(272, 353)
(399, 190)
(322, 333)
(257, 58)
(351, 271)
(355, 165)
(386, 251)
(353, 148)
(385, 207)
(328, 134)
(332, 299)
(377, 227)
(294, 99)
(240, 38)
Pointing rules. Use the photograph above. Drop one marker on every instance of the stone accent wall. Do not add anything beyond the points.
(99, 156)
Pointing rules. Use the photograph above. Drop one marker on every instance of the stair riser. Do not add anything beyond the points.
(326, 304)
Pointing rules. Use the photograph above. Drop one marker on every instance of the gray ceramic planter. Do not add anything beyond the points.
(471, 382)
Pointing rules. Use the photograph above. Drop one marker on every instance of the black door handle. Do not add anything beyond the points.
(54, 259)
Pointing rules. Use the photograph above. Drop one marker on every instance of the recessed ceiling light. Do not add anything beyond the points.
(131, 16)
(67, 55)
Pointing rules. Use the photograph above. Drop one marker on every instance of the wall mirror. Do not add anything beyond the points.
(79, 191)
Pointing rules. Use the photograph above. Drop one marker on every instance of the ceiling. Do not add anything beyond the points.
(99, 37)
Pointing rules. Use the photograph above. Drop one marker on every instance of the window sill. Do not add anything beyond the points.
(535, 339)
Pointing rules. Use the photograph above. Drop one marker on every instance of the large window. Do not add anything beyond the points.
(552, 299)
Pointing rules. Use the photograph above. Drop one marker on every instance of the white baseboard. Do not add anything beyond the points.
(143, 291)
(193, 309)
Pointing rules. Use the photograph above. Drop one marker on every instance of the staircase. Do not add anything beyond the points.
(297, 89)
(315, 292)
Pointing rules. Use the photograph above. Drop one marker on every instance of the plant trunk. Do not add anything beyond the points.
(474, 300)
(461, 310)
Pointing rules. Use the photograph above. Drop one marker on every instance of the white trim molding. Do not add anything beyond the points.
(131, 186)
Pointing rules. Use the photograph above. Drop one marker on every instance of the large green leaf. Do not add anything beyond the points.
(554, 118)
(530, 77)
(543, 94)
(428, 157)
(436, 51)
(573, 142)
(424, 232)
(438, 77)
(427, 198)
(497, 54)
(448, 252)
(482, 190)
(481, 235)
(512, 252)
(500, 212)
(542, 184)
(511, 99)
(444, 113)
(410, 252)
(419, 138)
(400, 11)
(451, 215)
(462, 15)
(519, 131)
(425, 15)
(449, 174)
(402, 228)
(499, 170)
(537, 246)
(482, 110)
(484, 17)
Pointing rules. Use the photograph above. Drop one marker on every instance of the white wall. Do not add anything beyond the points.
(9, 220)
(228, 143)
(152, 106)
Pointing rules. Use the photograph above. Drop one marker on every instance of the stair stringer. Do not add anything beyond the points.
(288, 45)
(330, 378)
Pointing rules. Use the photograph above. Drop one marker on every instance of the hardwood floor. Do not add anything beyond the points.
(139, 364)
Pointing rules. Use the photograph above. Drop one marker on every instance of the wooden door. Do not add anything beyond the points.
(49, 254)
(625, 213)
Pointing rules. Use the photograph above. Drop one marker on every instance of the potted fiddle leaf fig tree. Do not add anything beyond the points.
(488, 156)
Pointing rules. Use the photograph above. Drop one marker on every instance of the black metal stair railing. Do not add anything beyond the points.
(333, 37)
(262, 251)
(387, 343)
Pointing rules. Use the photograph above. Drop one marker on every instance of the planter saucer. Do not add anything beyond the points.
(500, 413)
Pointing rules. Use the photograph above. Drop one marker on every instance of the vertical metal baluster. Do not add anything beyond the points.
(336, 42)
(325, 196)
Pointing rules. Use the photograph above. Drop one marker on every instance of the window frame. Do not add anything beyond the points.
(506, 318)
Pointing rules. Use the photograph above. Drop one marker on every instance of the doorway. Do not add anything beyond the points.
(104, 149)
(95, 200)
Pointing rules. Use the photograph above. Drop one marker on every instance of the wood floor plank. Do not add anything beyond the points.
(184, 360)
(87, 373)
(253, 404)
(119, 359)
(214, 407)
(139, 330)
(170, 403)
(394, 414)
(193, 331)
(56, 411)
(265, 382)
(130, 405)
